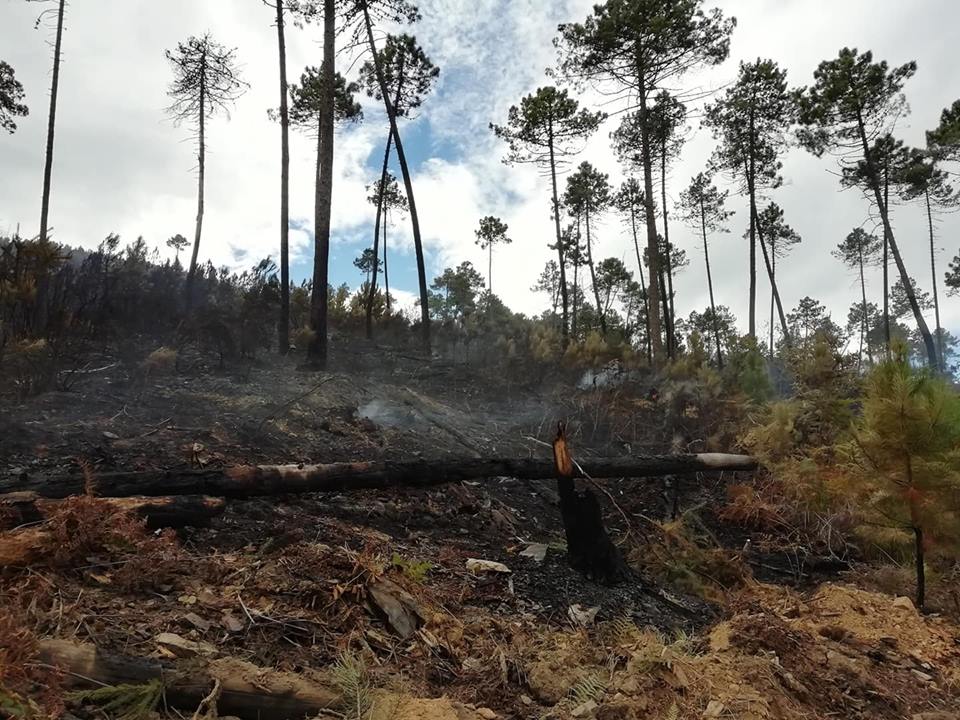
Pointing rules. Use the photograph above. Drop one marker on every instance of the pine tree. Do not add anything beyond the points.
(545, 129)
(637, 48)
(588, 195)
(629, 201)
(858, 250)
(206, 80)
(11, 96)
(702, 207)
(774, 233)
(923, 180)
(408, 76)
(492, 231)
(751, 121)
(852, 100)
(386, 195)
(943, 142)
(906, 457)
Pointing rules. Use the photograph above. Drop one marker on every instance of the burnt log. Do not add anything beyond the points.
(243, 481)
(246, 691)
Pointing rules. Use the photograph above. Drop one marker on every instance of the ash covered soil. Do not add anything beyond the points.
(286, 582)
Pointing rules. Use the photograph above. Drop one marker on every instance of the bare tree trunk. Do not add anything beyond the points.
(895, 251)
(576, 279)
(921, 575)
(490, 268)
(863, 319)
(773, 282)
(376, 237)
(593, 277)
(713, 307)
(556, 220)
(407, 182)
(386, 270)
(752, 192)
(773, 274)
(201, 162)
(886, 294)
(643, 285)
(283, 328)
(653, 250)
(51, 125)
(671, 319)
(941, 364)
(317, 349)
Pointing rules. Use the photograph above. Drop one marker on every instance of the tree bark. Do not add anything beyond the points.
(643, 285)
(283, 329)
(894, 249)
(246, 691)
(713, 308)
(652, 246)
(261, 480)
(556, 220)
(863, 319)
(51, 125)
(941, 364)
(593, 276)
(201, 161)
(407, 182)
(317, 348)
(773, 274)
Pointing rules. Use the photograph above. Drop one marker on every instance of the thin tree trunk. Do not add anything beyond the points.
(895, 251)
(652, 246)
(317, 349)
(556, 220)
(665, 306)
(921, 575)
(773, 282)
(643, 285)
(490, 268)
(671, 320)
(407, 182)
(752, 192)
(886, 294)
(713, 307)
(773, 273)
(941, 365)
(376, 236)
(283, 329)
(201, 162)
(593, 277)
(51, 125)
(863, 318)
(386, 274)
(576, 280)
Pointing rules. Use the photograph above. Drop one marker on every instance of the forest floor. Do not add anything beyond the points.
(294, 582)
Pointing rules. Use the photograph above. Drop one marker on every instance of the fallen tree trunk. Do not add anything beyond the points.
(24, 508)
(246, 691)
(257, 480)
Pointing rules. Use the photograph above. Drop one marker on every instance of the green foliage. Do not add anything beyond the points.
(306, 100)
(746, 369)
(123, 702)
(415, 570)
(407, 70)
(944, 140)
(350, 676)
(11, 95)
(907, 450)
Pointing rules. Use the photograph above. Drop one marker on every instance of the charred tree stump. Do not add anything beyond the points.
(590, 551)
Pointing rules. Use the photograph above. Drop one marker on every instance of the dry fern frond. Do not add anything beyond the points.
(124, 702)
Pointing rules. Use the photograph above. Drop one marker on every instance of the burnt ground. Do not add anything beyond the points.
(281, 581)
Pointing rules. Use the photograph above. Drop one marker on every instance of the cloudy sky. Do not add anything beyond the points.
(121, 166)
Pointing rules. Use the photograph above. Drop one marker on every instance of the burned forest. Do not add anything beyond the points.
(275, 446)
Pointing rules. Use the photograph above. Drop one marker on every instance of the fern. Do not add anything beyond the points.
(590, 687)
(349, 675)
(123, 702)
(413, 569)
(673, 713)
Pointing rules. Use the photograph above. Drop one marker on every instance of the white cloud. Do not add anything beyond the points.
(121, 166)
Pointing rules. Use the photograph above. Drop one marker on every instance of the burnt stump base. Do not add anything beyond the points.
(590, 551)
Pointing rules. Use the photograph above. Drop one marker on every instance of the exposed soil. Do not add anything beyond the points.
(284, 582)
